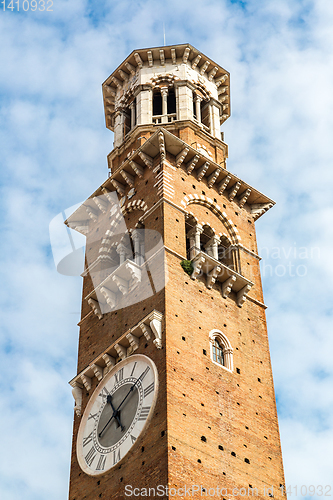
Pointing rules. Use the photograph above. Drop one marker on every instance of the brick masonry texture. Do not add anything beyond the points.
(207, 420)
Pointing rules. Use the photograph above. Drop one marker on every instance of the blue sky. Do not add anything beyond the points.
(54, 143)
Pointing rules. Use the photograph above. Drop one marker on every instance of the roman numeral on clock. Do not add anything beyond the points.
(93, 415)
(119, 376)
(148, 389)
(86, 440)
(90, 456)
(133, 438)
(116, 456)
(143, 374)
(144, 413)
(133, 369)
(101, 462)
(104, 393)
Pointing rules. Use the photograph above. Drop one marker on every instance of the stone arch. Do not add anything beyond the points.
(163, 81)
(202, 91)
(134, 205)
(216, 209)
(117, 219)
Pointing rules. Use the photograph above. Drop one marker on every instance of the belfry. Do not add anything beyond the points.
(174, 393)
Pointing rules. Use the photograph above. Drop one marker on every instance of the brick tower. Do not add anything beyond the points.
(174, 384)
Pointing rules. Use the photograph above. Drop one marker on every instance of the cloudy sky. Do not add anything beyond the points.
(54, 143)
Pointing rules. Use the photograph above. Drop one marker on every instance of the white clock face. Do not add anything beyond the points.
(116, 414)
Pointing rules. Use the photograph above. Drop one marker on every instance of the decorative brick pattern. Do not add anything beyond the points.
(214, 207)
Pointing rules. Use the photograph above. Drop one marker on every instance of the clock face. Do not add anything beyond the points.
(118, 411)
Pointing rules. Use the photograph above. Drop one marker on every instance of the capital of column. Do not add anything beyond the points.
(137, 234)
(123, 249)
(215, 240)
(164, 91)
(195, 231)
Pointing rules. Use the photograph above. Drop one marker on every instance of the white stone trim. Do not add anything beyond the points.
(216, 209)
(226, 348)
(149, 328)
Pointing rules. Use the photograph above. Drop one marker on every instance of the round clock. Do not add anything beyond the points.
(117, 413)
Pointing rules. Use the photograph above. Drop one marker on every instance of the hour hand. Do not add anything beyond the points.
(116, 413)
(109, 401)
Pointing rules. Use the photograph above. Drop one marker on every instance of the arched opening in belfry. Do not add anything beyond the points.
(225, 252)
(204, 107)
(129, 117)
(171, 101)
(127, 120)
(205, 238)
(157, 103)
(194, 106)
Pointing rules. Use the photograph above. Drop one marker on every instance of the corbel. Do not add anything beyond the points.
(241, 295)
(134, 342)
(86, 381)
(98, 371)
(77, 395)
(221, 187)
(155, 319)
(121, 351)
(227, 286)
(95, 307)
(197, 265)
(181, 157)
(146, 330)
(212, 275)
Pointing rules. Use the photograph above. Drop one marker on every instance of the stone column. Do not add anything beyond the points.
(215, 121)
(198, 100)
(212, 247)
(194, 236)
(123, 252)
(144, 106)
(164, 93)
(118, 129)
(138, 244)
(132, 108)
(184, 96)
(211, 127)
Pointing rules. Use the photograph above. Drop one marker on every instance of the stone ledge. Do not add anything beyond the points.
(149, 328)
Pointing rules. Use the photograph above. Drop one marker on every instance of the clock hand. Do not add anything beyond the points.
(115, 412)
(115, 415)
(129, 392)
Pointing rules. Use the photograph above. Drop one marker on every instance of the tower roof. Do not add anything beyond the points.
(164, 59)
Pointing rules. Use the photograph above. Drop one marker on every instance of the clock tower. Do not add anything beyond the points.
(174, 394)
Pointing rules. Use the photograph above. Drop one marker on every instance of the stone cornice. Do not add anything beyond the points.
(124, 79)
(193, 161)
(148, 329)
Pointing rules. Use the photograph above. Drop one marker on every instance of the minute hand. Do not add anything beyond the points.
(129, 392)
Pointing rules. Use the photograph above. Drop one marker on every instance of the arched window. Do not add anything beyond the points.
(218, 352)
(220, 349)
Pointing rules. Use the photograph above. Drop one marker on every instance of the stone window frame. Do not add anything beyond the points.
(226, 349)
